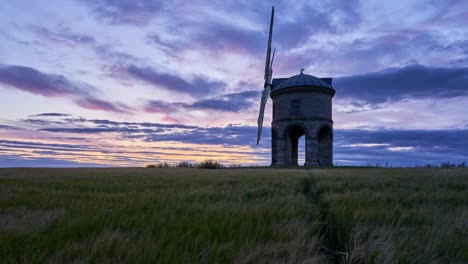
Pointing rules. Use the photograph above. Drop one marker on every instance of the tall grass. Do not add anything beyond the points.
(185, 215)
(395, 215)
(166, 215)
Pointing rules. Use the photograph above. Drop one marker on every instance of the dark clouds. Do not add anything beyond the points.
(400, 147)
(44, 146)
(233, 102)
(410, 82)
(199, 86)
(351, 146)
(97, 104)
(33, 81)
(136, 12)
(14, 161)
(163, 107)
(230, 135)
(230, 38)
(295, 25)
(50, 114)
(6, 127)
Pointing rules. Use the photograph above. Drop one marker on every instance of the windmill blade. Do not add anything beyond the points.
(268, 76)
(270, 36)
(272, 59)
(262, 112)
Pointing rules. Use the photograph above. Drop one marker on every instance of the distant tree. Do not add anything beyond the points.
(210, 164)
(151, 166)
(184, 164)
(447, 164)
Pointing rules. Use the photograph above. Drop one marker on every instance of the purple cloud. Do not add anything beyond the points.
(395, 84)
(198, 87)
(101, 105)
(163, 107)
(400, 147)
(233, 102)
(50, 114)
(136, 12)
(36, 82)
(229, 38)
(6, 127)
(65, 36)
(33, 81)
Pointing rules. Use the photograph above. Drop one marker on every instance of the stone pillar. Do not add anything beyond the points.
(311, 151)
(281, 151)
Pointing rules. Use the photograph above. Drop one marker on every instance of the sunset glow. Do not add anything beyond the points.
(131, 83)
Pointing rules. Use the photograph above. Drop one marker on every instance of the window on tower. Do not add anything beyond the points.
(295, 107)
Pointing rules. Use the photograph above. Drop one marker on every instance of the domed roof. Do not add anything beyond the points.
(302, 80)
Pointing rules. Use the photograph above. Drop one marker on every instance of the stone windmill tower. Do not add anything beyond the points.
(302, 106)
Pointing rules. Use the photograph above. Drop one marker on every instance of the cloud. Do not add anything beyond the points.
(64, 36)
(295, 24)
(229, 38)
(44, 146)
(410, 82)
(351, 146)
(97, 104)
(199, 86)
(142, 124)
(89, 130)
(232, 102)
(92, 126)
(50, 114)
(6, 127)
(33, 81)
(163, 107)
(43, 122)
(400, 147)
(230, 135)
(15, 161)
(139, 12)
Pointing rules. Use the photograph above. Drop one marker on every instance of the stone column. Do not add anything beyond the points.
(311, 151)
(281, 151)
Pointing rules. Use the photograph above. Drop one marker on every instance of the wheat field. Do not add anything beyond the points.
(241, 215)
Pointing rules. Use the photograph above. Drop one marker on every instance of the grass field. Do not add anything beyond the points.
(177, 215)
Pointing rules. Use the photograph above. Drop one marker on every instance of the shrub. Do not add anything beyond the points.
(447, 165)
(184, 164)
(210, 164)
(151, 166)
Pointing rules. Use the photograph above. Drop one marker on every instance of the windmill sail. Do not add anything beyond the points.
(268, 76)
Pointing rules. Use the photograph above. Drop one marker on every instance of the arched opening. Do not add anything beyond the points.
(325, 147)
(274, 142)
(294, 133)
(301, 150)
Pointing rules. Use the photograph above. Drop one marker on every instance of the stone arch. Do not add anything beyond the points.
(325, 146)
(288, 127)
(274, 146)
(293, 133)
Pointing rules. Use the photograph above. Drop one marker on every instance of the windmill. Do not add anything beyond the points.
(268, 78)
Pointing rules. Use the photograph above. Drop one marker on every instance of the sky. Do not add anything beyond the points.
(137, 82)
